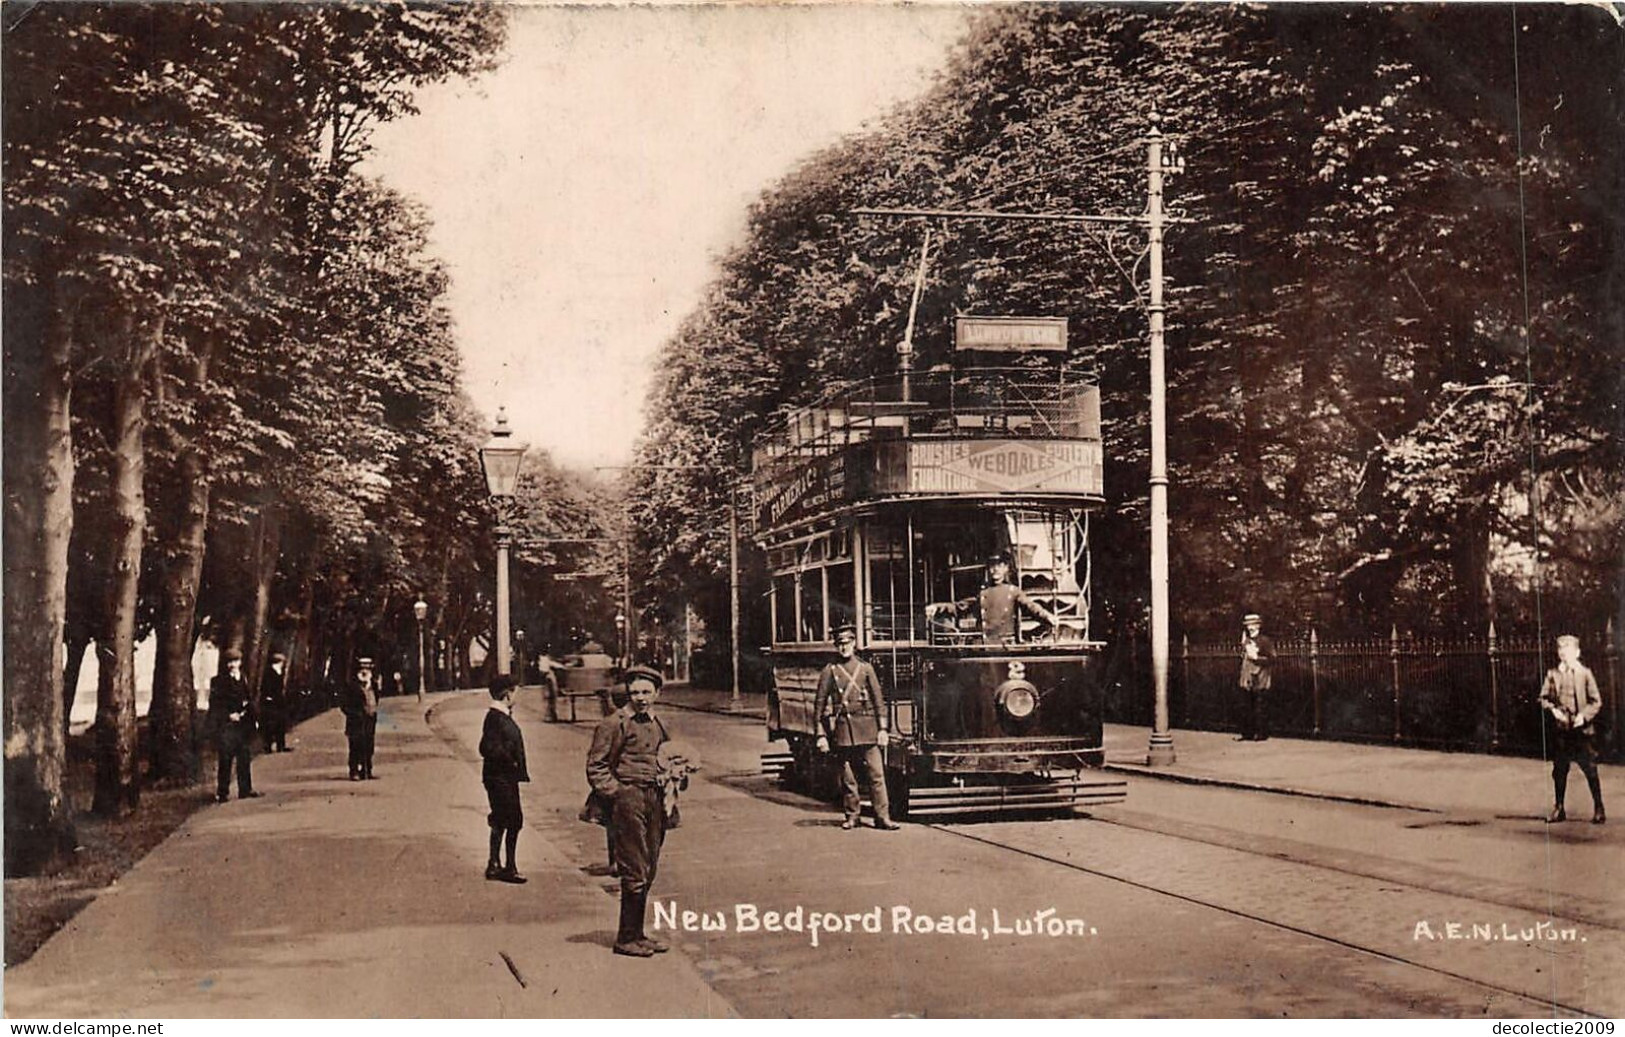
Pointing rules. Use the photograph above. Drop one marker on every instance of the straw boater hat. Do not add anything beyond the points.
(1567, 640)
(364, 663)
(1251, 617)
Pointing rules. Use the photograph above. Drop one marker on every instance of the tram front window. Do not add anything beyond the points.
(1037, 593)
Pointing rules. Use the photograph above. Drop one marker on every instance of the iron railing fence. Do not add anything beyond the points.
(1472, 694)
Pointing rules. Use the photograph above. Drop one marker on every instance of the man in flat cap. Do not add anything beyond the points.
(1256, 652)
(1570, 697)
(361, 718)
(233, 728)
(502, 752)
(851, 709)
(623, 768)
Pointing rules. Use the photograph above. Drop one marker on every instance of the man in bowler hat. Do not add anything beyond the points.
(623, 767)
(233, 728)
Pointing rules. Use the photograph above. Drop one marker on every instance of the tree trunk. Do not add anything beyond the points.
(267, 547)
(38, 458)
(174, 690)
(118, 766)
(78, 641)
(1470, 567)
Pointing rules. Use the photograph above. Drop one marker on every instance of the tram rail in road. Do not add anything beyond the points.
(1337, 903)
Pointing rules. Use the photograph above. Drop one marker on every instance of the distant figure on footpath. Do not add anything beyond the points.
(274, 706)
(361, 719)
(1257, 651)
(1571, 697)
(623, 767)
(502, 748)
(233, 728)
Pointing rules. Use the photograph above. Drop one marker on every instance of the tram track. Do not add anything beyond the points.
(1215, 904)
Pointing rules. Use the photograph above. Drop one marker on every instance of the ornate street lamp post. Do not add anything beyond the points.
(420, 609)
(500, 458)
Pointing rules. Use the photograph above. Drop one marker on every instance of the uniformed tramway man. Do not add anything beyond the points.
(852, 711)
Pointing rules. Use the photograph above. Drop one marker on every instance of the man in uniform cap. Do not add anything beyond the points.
(1571, 698)
(233, 727)
(997, 602)
(623, 768)
(851, 709)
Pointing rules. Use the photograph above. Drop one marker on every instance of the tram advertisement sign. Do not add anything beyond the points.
(1011, 334)
(804, 490)
(999, 465)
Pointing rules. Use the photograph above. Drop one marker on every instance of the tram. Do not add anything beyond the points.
(880, 506)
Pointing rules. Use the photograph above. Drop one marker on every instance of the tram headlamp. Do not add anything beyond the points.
(1018, 698)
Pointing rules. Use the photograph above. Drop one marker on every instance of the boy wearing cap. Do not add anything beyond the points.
(229, 716)
(502, 748)
(1571, 698)
(1256, 652)
(623, 767)
(852, 711)
(361, 719)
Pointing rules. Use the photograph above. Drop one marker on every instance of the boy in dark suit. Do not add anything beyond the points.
(502, 747)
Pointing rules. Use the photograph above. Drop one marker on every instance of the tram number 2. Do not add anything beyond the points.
(1018, 670)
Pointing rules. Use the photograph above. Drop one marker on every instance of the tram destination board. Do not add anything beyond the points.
(1011, 334)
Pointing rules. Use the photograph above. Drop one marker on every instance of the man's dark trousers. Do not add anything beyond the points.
(233, 748)
(638, 827)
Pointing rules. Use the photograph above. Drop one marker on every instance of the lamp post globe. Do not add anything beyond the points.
(420, 609)
(500, 459)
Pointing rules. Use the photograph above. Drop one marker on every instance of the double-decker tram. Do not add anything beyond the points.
(889, 504)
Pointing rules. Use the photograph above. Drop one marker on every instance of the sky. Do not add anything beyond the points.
(583, 192)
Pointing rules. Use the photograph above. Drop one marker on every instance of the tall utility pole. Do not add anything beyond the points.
(1159, 161)
(1161, 750)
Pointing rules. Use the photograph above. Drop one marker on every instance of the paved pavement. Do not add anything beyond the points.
(331, 898)
(328, 898)
(1473, 785)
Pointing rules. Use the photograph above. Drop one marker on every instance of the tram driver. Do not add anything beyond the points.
(996, 605)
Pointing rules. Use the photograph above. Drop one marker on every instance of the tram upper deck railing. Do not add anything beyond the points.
(983, 403)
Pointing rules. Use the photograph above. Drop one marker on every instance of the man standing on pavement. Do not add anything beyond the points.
(1571, 697)
(233, 728)
(623, 767)
(274, 706)
(1257, 650)
(502, 748)
(852, 711)
(361, 719)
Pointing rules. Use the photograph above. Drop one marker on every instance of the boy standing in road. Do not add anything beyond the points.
(502, 747)
(1571, 698)
(623, 767)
